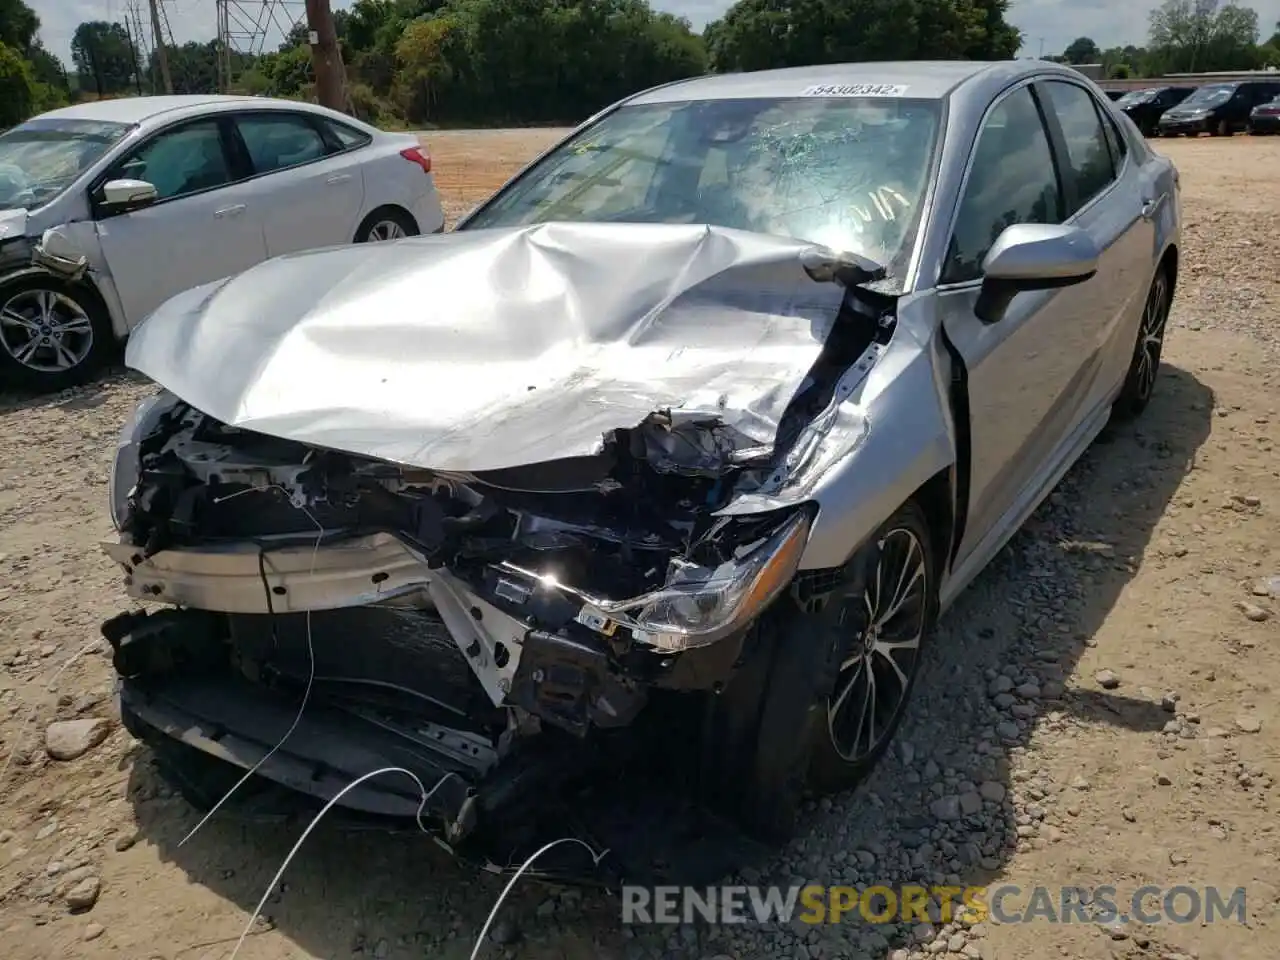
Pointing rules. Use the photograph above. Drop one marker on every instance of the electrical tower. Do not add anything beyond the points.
(148, 24)
(252, 27)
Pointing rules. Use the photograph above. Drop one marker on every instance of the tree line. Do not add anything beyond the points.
(31, 78)
(443, 62)
(1186, 36)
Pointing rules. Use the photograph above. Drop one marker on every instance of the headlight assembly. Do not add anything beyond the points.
(700, 605)
(126, 464)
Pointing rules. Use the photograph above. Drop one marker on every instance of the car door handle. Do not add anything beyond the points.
(1150, 206)
(338, 178)
(226, 212)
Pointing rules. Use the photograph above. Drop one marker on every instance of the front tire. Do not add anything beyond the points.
(1144, 367)
(830, 682)
(53, 334)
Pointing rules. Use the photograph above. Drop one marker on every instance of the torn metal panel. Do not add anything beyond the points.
(491, 349)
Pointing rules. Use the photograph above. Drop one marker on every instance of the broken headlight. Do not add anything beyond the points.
(699, 605)
(125, 465)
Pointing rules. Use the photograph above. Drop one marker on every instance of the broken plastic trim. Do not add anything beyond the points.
(54, 253)
(698, 606)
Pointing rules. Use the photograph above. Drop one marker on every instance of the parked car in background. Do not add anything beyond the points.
(1217, 108)
(109, 208)
(1145, 107)
(1116, 94)
(1265, 118)
(693, 429)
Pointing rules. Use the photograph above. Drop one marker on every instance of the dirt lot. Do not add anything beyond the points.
(1108, 688)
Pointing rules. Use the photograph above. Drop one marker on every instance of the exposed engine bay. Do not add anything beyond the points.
(490, 631)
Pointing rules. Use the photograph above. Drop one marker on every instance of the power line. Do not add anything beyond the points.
(247, 28)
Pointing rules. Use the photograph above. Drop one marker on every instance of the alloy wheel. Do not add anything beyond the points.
(386, 230)
(45, 331)
(875, 676)
(1155, 316)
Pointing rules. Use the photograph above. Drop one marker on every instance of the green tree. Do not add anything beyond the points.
(18, 25)
(758, 34)
(103, 57)
(17, 88)
(1082, 50)
(1203, 35)
(194, 67)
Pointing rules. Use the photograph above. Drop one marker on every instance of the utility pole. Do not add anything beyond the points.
(326, 59)
(97, 72)
(133, 57)
(162, 54)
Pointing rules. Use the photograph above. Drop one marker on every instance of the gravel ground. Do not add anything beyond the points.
(1099, 709)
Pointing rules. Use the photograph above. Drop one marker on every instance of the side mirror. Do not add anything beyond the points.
(121, 196)
(1033, 256)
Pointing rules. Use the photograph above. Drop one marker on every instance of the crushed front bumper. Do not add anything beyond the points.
(206, 728)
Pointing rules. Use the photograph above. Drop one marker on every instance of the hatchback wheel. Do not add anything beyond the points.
(53, 335)
(830, 682)
(1144, 367)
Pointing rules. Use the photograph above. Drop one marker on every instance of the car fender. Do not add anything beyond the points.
(910, 439)
(895, 432)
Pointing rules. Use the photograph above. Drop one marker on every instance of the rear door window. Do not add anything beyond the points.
(277, 141)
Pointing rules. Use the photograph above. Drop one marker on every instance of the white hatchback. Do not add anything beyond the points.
(107, 209)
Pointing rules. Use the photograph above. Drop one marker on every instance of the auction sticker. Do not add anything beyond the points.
(857, 90)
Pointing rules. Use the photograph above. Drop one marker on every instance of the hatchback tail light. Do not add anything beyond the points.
(419, 156)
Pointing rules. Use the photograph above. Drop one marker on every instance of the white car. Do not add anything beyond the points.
(108, 209)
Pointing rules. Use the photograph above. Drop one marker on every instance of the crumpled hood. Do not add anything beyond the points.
(489, 349)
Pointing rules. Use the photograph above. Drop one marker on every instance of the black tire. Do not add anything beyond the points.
(770, 734)
(371, 230)
(74, 329)
(1144, 366)
(1223, 129)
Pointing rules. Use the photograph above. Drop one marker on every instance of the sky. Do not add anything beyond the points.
(1049, 25)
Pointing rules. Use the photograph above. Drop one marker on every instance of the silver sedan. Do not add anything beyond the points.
(703, 419)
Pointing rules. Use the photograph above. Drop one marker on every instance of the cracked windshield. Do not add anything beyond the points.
(41, 158)
(846, 172)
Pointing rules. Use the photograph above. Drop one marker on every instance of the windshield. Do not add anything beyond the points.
(847, 172)
(40, 158)
(1136, 96)
(1209, 96)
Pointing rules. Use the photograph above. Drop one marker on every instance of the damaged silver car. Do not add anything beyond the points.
(693, 428)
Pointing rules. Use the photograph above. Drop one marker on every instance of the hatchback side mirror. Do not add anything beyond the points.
(1033, 256)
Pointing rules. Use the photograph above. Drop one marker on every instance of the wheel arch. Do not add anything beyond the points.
(383, 210)
(84, 284)
(1169, 262)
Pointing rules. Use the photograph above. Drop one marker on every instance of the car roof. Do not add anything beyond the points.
(147, 110)
(136, 109)
(931, 80)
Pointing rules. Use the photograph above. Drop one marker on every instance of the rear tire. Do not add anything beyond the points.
(818, 703)
(53, 334)
(386, 223)
(1144, 367)
(1222, 129)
